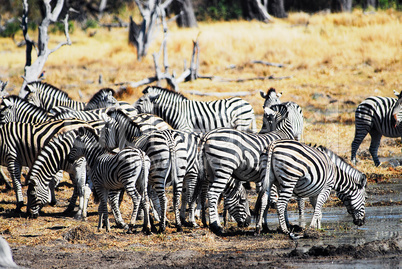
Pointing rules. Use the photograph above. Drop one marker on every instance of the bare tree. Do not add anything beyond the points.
(256, 9)
(141, 35)
(185, 10)
(33, 70)
(277, 8)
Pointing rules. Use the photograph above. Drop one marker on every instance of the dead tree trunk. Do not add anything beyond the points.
(33, 70)
(185, 10)
(256, 10)
(141, 35)
(342, 5)
(371, 3)
(277, 8)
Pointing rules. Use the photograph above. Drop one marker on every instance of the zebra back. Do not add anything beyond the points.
(198, 116)
(121, 130)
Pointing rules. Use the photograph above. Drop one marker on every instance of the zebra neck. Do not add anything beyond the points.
(93, 151)
(170, 112)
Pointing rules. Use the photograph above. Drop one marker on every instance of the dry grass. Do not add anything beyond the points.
(336, 62)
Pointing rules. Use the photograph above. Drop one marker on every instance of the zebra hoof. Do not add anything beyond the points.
(216, 229)
(179, 228)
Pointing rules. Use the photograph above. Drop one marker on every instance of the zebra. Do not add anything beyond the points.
(48, 96)
(296, 118)
(306, 171)
(189, 115)
(166, 149)
(110, 172)
(295, 112)
(20, 143)
(226, 152)
(120, 131)
(377, 116)
(53, 158)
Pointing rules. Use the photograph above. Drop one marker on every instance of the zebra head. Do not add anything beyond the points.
(350, 185)
(236, 202)
(102, 99)
(33, 91)
(37, 197)
(271, 97)
(274, 119)
(146, 103)
(397, 110)
(8, 109)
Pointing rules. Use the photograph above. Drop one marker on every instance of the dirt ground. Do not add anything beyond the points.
(55, 240)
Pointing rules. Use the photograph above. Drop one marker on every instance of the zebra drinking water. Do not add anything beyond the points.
(110, 173)
(189, 115)
(296, 168)
(377, 116)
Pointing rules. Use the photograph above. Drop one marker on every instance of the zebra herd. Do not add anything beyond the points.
(205, 150)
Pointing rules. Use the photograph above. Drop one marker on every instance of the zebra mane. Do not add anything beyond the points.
(119, 115)
(48, 88)
(338, 160)
(164, 91)
(270, 91)
(102, 92)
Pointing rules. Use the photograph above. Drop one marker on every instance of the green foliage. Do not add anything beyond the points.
(58, 27)
(10, 29)
(90, 24)
(222, 10)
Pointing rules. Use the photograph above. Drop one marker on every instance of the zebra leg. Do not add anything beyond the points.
(374, 145)
(301, 204)
(183, 205)
(102, 209)
(317, 203)
(114, 204)
(213, 197)
(361, 130)
(263, 202)
(282, 204)
(14, 168)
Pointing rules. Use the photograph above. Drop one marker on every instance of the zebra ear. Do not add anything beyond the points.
(153, 96)
(397, 94)
(263, 95)
(279, 95)
(7, 103)
(31, 88)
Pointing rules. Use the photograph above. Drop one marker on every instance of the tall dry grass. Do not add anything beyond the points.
(335, 60)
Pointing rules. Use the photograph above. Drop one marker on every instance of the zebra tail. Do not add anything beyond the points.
(143, 177)
(201, 164)
(265, 186)
(173, 166)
